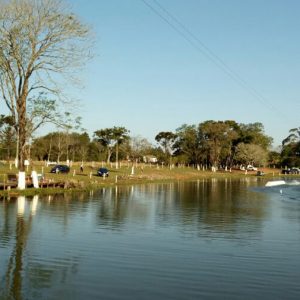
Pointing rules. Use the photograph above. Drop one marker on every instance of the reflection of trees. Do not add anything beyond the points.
(15, 265)
(6, 230)
(223, 205)
(210, 207)
(17, 274)
(119, 204)
(13, 274)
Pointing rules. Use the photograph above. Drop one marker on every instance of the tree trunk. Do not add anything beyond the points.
(59, 148)
(49, 153)
(117, 155)
(108, 154)
(22, 131)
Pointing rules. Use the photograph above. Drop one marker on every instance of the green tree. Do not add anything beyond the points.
(274, 158)
(105, 138)
(216, 137)
(81, 147)
(7, 137)
(96, 152)
(166, 139)
(53, 146)
(187, 146)
(290, 154)
(120, 135)
(110, 138)
(253, 133)
(293, 137)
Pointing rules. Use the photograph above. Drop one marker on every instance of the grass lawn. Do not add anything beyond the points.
(126, 174)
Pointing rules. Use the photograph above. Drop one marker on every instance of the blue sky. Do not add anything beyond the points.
(147, 77)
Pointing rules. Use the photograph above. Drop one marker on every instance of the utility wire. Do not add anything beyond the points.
(195, 42)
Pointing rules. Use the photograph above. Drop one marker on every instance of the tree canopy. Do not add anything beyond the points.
(110, 137)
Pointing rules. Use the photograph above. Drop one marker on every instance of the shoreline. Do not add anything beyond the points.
(87, 181)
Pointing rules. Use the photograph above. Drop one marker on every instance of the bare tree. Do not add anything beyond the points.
(41, 42)
(251, 154)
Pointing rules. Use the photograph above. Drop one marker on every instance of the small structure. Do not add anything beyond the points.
(150, 159)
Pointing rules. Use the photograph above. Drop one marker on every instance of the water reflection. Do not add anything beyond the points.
(22, 269)
(13, 274)
(47, 242)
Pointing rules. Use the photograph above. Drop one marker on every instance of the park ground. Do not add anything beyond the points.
(127, 173)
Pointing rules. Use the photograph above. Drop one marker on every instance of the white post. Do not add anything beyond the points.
(132, 170)
(26, 163)
(21, 181)
(35, 180)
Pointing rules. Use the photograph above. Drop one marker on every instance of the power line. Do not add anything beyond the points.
(197, 44)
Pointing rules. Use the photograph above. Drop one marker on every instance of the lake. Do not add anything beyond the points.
(206, 239)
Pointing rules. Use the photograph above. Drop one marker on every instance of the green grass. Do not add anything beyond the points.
(122, 176)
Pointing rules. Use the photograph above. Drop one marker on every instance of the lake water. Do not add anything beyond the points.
(211, 239)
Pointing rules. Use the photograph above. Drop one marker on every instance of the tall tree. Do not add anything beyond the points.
(7, 137)
(216, 136)
(166, 139)
(111, 137)
(105, 138)
(187, 144)
(120, 135)
(293, 137)
(290, 154)
(41, 41)
(253, 133)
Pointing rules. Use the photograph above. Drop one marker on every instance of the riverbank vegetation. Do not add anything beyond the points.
(217, 144)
